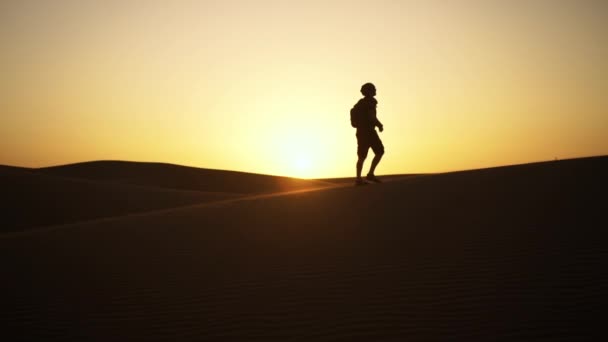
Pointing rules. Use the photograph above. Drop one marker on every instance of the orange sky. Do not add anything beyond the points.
(266, 86)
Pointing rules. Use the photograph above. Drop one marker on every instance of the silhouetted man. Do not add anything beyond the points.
(363, 117)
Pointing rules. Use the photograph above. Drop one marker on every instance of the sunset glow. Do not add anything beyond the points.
(266, 86)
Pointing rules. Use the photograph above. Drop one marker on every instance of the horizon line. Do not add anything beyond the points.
(286, 176)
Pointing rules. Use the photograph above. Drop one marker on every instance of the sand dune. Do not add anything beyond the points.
(31, 199)
(509, 253)
(77, 192)
(179, 177)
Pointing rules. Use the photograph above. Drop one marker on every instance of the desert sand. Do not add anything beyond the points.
(508, 253)
(78, 192)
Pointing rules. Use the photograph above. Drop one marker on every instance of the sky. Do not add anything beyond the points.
(266, 86)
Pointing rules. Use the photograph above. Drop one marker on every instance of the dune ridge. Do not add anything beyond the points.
(179, 177)
(92, 190)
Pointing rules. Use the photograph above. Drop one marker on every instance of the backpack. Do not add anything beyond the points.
(355, 115)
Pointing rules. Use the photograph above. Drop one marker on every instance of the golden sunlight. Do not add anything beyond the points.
(253, 86)
(302, 166)
(298, 154)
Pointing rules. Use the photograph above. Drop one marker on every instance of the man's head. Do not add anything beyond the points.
(368, 90)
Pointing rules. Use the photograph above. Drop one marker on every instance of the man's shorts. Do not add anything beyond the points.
(367, 139)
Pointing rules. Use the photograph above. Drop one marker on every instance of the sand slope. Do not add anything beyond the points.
(179, 177)
(84, 191)
(31, 199)
(511, 253)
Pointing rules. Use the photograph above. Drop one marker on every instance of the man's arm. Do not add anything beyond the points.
(379, 125)
(374, 116)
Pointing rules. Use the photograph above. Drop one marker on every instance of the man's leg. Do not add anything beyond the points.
(375, 162)
(378, 149)
(362, 149)
(359, 166)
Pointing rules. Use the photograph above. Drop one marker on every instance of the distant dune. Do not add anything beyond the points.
(508, 253)
(179, 177)
(76, 192)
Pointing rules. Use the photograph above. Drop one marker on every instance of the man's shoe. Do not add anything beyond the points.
(360, 181)
(373, 178)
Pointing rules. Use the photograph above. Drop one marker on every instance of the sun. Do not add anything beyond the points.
(302, 165)
(298, 152)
